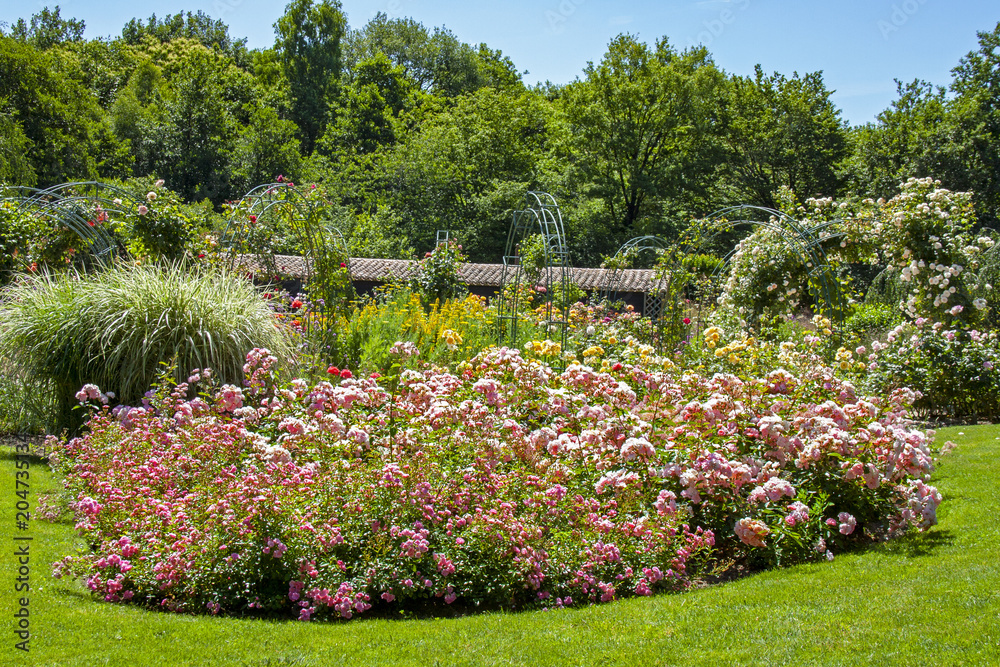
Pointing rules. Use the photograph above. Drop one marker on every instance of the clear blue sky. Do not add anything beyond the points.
(860, 45)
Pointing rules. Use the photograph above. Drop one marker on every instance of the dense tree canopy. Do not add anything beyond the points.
(409, 130)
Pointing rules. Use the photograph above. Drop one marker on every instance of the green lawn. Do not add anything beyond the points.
(928, 599)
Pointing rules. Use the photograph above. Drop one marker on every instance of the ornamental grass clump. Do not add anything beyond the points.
(116, 328)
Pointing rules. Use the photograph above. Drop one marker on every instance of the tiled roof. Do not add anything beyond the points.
(477, 275)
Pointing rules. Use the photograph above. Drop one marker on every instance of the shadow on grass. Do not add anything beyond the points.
(916, 545)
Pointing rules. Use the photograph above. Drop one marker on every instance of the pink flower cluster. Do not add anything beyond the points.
(503, 481)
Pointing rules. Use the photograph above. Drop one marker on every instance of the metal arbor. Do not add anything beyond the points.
(535, 266)
(273, 220)
(89, 211)
(804, 242)
(269, 228)
(642, 252)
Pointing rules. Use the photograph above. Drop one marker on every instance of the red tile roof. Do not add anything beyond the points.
(476, 275)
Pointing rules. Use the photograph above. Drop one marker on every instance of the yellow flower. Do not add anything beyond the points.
(721, 352)
(845, 365)
(733, 358)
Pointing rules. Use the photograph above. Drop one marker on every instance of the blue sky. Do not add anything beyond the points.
(860, 45)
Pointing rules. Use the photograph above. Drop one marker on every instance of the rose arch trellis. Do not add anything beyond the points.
(545, 270)
(272, 226)
(641, 252)
(688, 287)
(88, 209)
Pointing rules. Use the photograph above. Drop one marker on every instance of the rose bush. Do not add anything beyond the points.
(502, 483)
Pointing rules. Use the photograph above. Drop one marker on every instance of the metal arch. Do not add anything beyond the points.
(69, 203)
(806, 242)
(325, 257)
(319, 242)
(259, 202)
(544, 218)
(611, 283)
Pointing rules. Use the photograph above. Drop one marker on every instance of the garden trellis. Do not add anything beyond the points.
(275, 218)
(805, 242)
(642, 252)
(537, 257)
(87, 209)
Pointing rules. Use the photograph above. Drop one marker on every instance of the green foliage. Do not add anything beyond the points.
(435, 62)
(956, 370)
(266, 148)
(437, 276)
(48, 29)
(15, 166)
(44, 94)
(467, 167)
(367, 333)
(781, 132)
(197, 132)
(369, 108)
(117, 327)
(870, 320)
(927, 132)
(307, 40)
(199, 26)
(635, 160)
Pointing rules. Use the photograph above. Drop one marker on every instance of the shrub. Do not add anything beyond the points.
(437, 276)
(871, 319)
(503, 484)
(956, 370)
(117, 327)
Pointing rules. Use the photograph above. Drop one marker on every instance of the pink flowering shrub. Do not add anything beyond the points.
(957, 369)
(501, 484)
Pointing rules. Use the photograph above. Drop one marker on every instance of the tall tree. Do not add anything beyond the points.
(899, 144)
(643, 121)
(464, 169)
(47, 29)
(41, 92)
(436, 61)
(211, 33)
(976, 123)
(781, 132)
(367, 116)
(198, 132)
(926, 133)
(308, 46)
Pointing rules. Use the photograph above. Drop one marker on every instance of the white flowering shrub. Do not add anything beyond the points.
(928, 237)
(925, 236)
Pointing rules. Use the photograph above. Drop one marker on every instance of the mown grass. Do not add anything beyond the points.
(926, 599)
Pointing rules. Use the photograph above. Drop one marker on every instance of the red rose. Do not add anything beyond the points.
(616, 367)
(296, 304)
(333, 370)
(687, 320)
(346, 374)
